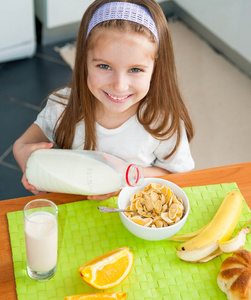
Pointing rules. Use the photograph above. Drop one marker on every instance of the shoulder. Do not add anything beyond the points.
(57, 100)
(55, 104)
(60, 96)
(181, 160)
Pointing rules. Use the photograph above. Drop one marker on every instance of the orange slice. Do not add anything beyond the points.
(97, 296)
(108, 270)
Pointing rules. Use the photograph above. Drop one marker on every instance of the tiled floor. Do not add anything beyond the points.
(24, 84)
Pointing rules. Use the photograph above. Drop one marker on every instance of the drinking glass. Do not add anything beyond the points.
(41, 238)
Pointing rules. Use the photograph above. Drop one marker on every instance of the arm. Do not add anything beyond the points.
(154, 172)
(33, 139)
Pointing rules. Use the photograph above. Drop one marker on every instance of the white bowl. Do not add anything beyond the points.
(147, 233)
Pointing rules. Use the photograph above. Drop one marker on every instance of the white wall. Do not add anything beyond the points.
(229, 20)
(55, 13)
(17, 29)
(52, 13)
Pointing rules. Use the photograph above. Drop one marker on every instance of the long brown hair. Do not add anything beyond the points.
(163, 101)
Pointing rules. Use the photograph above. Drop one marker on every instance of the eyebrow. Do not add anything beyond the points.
(108, 63)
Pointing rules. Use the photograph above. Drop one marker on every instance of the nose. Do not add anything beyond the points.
(120, 82)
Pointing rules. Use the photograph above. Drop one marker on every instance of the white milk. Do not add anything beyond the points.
(41, 237)
(69, 171)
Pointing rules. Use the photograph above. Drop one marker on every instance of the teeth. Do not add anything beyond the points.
(117, 98)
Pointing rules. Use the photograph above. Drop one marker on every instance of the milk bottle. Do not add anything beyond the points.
(81, 172)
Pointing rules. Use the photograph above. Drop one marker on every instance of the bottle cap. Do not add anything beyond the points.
(134, 175)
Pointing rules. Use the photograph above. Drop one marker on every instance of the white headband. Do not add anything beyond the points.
(123, 11)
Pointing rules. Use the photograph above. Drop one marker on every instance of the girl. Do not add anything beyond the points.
(123, 98)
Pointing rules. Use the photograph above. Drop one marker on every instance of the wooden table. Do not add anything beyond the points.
(239, 173)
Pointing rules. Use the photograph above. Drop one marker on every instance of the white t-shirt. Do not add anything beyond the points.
(130, 142)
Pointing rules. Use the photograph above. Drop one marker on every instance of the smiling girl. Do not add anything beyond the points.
(124, 97)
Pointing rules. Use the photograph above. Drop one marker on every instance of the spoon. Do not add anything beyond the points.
(106, 209)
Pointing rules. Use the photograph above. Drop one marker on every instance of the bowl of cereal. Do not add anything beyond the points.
(159, 209)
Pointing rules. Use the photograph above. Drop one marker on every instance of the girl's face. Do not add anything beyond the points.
(120, 66)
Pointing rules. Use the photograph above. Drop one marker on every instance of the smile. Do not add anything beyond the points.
(117, 98)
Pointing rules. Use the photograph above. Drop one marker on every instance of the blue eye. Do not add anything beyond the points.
(102, 66)
(135, 70)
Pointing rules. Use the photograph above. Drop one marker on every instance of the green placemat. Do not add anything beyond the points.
(158, 273)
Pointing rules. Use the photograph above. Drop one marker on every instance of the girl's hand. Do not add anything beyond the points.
(27, 151)
(32, 140)
(30, 187)
(102, 197)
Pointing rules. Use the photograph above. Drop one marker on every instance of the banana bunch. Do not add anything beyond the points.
(215, 238)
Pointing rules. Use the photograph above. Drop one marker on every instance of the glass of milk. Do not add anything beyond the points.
(41, 238)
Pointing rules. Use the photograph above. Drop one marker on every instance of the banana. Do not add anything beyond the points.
(205, 243)
(237, 242)
(213, 255)
(186, 236)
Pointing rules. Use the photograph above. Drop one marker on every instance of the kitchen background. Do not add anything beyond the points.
(213, 53)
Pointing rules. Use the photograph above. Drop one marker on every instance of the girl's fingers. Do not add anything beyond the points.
(26, 183)
(38, 193)
(102, 197)
(30, 187)
(42, 145)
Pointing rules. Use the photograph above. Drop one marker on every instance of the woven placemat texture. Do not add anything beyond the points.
(158, 273)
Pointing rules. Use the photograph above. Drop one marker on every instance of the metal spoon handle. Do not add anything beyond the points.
(106, 209)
